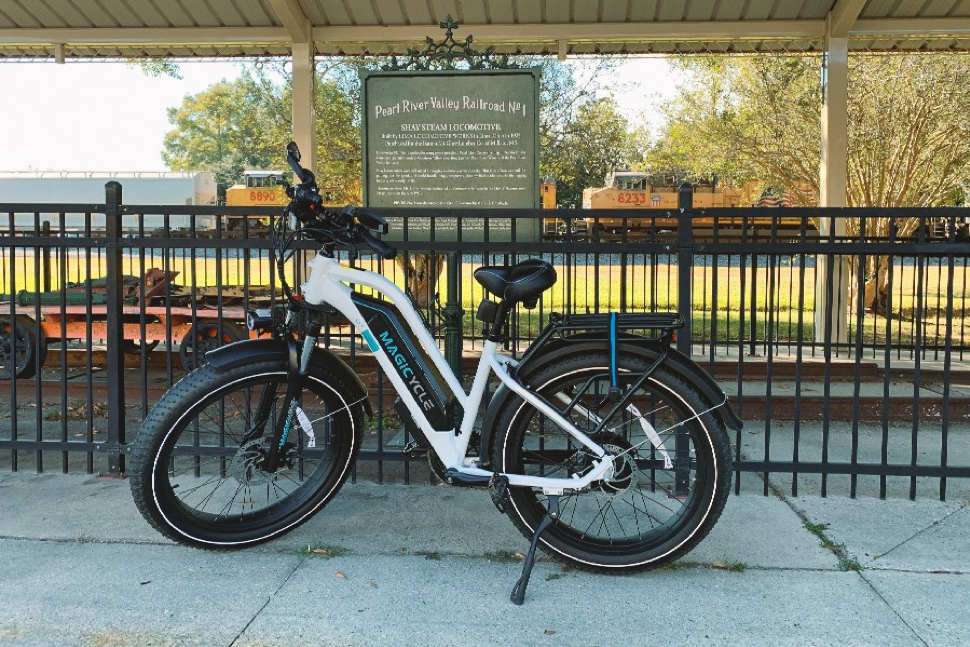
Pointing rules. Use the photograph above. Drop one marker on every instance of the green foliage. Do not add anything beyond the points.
(245, 123)
(846, 561)
(157, 67)
(759, 118)
(595, 141)
(229, 127)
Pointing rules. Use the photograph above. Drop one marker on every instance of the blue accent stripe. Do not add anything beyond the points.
(369, 338)
(613, 376)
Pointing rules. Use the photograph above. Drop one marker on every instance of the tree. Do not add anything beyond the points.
(594, 142)
(245, 123)
(758, 118)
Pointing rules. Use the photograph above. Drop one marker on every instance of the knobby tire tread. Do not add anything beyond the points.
(185, 393)
(721, 446)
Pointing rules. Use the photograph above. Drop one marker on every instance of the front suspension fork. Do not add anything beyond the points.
(297, 367)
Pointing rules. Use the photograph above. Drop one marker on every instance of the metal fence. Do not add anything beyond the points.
(856, 389)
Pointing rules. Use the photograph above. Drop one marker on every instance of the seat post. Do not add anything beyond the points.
(501, 320)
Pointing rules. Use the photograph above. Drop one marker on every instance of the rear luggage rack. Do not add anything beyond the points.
(610, 328)
(624, 321)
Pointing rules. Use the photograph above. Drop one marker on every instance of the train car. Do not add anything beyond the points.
(170, 188)
(258, 189)
(262, 188)
(647, 190)
(553, 228)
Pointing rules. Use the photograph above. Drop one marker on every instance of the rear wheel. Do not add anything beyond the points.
(197, 468)
(670, 478)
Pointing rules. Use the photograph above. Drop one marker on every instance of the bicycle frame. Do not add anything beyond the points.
(328, 284)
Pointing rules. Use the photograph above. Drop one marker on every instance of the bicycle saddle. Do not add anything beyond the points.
(524, 281)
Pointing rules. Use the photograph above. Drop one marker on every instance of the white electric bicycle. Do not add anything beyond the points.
(604, 445)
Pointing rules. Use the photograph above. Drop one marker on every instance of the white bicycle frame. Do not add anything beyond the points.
(327, 284)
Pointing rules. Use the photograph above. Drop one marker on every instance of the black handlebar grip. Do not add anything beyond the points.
(371, 220)
(380, 248)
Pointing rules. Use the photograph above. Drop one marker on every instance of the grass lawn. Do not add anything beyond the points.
(722, 294)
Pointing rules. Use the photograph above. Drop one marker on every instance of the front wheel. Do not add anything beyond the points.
(198, 472)
(670, 477)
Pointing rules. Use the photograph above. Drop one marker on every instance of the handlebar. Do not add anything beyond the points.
(349, 226)
(308, 196)
(295, 165)
(379, 247)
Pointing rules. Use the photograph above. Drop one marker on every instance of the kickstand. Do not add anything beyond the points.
(518, 591)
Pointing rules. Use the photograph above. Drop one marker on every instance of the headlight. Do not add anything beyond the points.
(259, 319)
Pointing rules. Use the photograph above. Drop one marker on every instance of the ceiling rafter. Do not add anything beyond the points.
(294, 20)
(606, 31)
(843, 15)
(145, 35)
(882, 31)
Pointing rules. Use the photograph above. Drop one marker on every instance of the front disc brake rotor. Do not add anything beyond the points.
(246, 465)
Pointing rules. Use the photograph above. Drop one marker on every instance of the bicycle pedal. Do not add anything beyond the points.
(498, 487)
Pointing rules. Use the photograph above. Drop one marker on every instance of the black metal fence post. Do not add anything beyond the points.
(685, 265)
(46, 233)
(454, 314)
(114, 278)
(685, 306)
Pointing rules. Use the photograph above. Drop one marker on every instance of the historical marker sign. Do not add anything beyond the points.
(462, 139)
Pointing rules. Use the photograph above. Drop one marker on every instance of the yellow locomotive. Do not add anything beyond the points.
(265, 189)
(653, 190)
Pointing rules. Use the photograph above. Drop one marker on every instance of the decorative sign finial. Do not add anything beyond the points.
(449, 24)
(447, 54)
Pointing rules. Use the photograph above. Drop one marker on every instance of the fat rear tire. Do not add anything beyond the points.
(701, 509)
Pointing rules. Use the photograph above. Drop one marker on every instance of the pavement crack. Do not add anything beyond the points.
(922, 530)
(891, 608)
(268, 600)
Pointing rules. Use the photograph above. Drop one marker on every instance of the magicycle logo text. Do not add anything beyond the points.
(404, 367)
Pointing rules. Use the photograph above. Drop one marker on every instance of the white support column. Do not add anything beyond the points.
(304, 122)
(831, 304)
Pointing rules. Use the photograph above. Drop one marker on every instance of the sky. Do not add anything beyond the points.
(108, 116)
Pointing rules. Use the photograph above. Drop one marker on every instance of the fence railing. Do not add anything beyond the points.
(843, 351)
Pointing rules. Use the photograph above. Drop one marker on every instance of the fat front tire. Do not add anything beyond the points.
(663, 497)
(196, 466)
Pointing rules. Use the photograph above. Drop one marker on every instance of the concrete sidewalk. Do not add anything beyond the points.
(424, 565)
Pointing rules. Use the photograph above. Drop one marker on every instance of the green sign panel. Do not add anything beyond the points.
(456, 139)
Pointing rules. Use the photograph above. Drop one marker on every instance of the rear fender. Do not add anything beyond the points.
(554, 350)
(269, 349)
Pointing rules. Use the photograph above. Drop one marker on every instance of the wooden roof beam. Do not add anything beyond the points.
(605, 31)
(145, 35)
(294, 20)
(842, 16)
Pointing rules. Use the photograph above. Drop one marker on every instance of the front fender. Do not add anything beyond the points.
(269, 349)
(680, 364)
